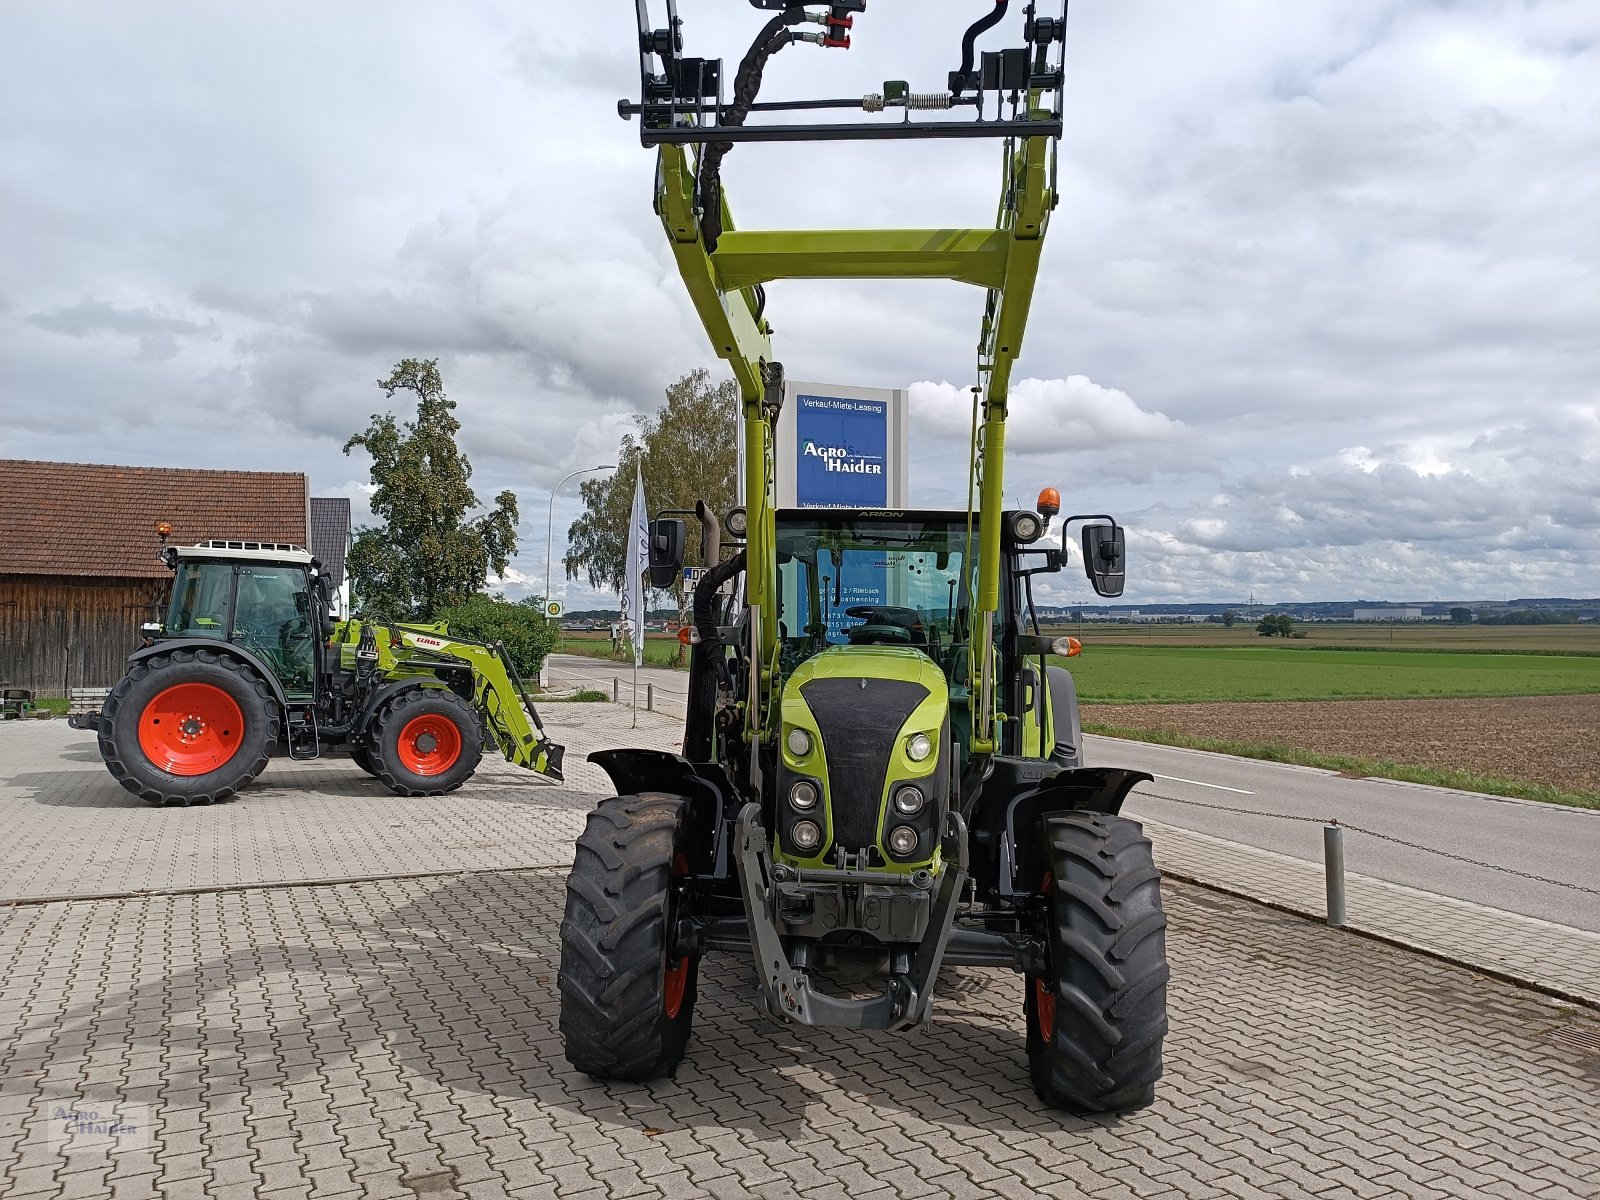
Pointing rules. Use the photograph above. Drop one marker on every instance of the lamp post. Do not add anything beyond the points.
(550, 522)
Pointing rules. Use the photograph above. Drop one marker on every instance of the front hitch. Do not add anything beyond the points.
(788, 991)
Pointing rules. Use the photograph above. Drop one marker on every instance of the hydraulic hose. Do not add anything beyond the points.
(969, 40)
(774, 36)
(707, 666)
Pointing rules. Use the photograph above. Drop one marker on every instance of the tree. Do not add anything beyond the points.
(689, 451)
(428, 555)
(1276, 625)
(1229, 618)
(521, 627)
(1461, 616)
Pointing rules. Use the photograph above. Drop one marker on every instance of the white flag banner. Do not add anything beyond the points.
(637, 558)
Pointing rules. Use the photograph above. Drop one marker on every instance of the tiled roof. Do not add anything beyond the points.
(85, 519)
(330, 534)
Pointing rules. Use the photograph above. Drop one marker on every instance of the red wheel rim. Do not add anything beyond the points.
(191, 729)
(429, 744)
(675, 981)
(1044, 997)
(1044, 1003)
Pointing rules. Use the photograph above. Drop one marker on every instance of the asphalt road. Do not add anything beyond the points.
(573, 670)
(1557, 843)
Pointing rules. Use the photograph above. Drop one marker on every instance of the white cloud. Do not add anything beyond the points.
(1047, 415)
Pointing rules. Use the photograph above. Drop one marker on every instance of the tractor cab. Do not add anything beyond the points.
(260, 596)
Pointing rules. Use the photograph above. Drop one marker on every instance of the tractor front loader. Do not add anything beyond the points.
(247, 663)
(882, 771)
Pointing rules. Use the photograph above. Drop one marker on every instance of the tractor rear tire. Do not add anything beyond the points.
(189, 727)
(626, 1007)
(424, 742)
(1097, 1019)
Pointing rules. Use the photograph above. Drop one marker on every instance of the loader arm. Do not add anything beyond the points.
(725, 269)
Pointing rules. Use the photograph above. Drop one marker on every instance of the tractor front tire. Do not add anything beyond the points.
(626, 1005)
(1097, 1018)
(423, 742)
(189, 727)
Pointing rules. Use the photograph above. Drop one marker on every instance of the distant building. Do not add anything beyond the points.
(330, 542)
(1391, 613)
(78, 566)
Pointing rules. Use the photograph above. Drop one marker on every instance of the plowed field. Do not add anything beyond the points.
(1539, 739)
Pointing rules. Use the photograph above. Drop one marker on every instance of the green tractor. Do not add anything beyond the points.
(247, 663)
(882, 769)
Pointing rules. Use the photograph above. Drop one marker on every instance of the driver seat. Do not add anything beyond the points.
(888, 624)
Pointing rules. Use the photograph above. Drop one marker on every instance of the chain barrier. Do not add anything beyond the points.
(1382, 837)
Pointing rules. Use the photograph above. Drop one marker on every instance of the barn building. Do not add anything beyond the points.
(78, 566)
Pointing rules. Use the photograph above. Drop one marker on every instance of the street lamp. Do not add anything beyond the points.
(550, 522)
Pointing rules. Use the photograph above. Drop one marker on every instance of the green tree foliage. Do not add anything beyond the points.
(1530, 616)
(521, 627)
(429, 554)
(689, 450)
(1229, 618)
(1276, 625)
(1461, 616)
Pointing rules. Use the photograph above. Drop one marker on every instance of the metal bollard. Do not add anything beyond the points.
(1333, 861)
(616, 685)
(649, 697)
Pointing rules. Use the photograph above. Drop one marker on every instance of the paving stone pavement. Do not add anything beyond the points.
(73, 831)
(398, 1039)
(1558, 958)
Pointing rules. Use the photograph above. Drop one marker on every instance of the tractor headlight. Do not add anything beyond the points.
(902, 840)
(799, 743)
(737, 522)
(806, 835)
(803, 796)
(918, 747)
(908, 801)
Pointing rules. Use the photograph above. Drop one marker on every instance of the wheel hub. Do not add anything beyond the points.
(426, 743)
(191, 727)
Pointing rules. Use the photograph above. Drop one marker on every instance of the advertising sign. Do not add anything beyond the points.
(842, 452)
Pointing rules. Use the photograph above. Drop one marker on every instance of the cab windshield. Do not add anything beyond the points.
(851, 581)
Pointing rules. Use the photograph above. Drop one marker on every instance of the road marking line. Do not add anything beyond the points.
(1197, 783)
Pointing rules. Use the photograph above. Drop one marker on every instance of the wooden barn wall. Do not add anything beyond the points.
(60, 632)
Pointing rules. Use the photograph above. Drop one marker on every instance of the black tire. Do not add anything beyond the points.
(125, 755)
(359, 757)
(1107, 971)
(626, 1010)
(397, 765)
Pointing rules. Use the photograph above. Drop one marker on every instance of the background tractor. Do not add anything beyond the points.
(868, 790)
(247, 663)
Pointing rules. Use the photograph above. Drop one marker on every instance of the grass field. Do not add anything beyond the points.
(1175, 674)
(660, 649)
(1499, 639)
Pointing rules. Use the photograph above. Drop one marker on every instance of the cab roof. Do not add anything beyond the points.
(282, 553)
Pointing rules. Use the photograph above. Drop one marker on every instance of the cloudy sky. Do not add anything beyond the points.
(1319, 314)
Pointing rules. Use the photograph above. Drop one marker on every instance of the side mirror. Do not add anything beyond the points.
(666, 551)
(1105, 559)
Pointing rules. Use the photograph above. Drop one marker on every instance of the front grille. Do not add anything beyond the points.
(859, 720)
